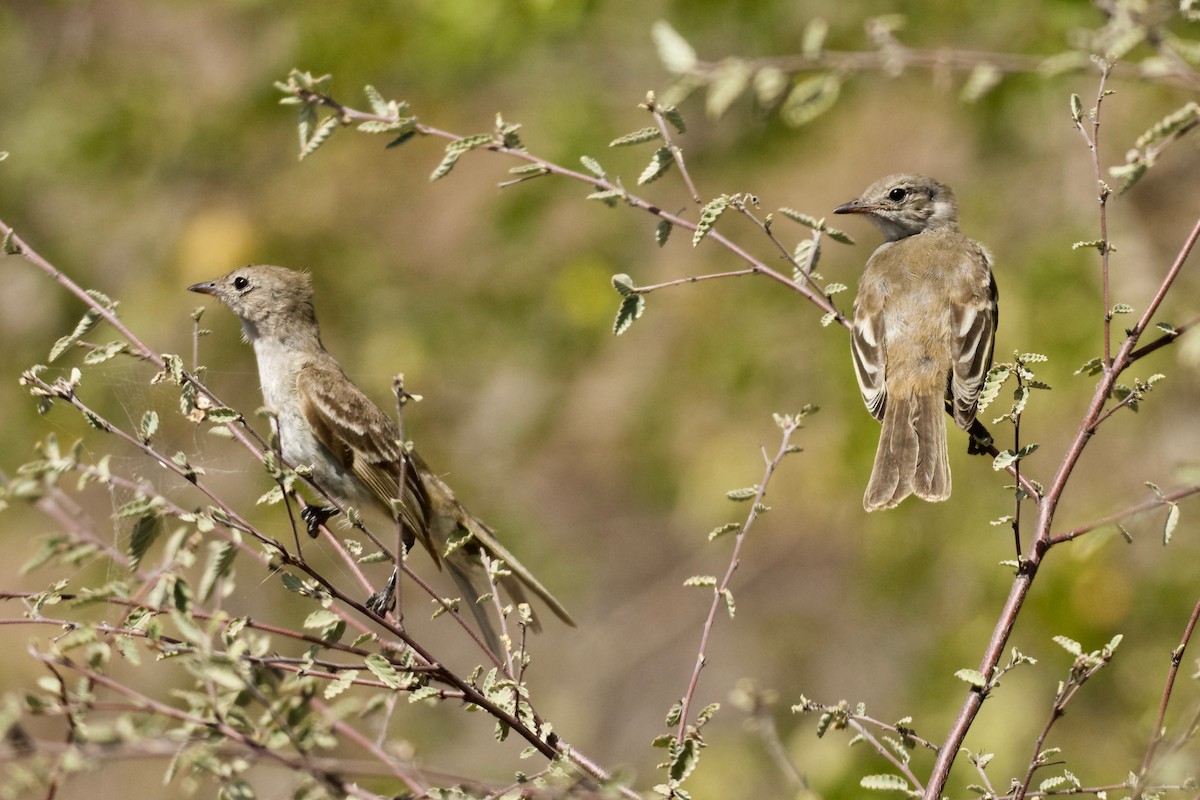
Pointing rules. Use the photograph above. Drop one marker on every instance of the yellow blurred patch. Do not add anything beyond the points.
(213, 242)
(1101, 596)
(582, 291)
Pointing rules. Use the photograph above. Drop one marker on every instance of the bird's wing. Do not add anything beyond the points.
(869, 349)
(975, 316)
(366, 442)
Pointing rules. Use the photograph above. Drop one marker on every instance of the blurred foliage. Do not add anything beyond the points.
(148, 152)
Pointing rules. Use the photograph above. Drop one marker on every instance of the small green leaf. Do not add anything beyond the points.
(672, 115)
(623, 284)
(741, 495)
(1076, 108)
(145, 532)
(701, 580)
(709, 215)
(884, 783)
(1172, 522)
(721, 530)
(631, 309)
(637, 137)
(660, 162)
(1070, 645)
(662, 231)
(592, 166)
(319, 136)
(149, 426)
(804, 219)
(1122, 308)
(82, 328)
(973, 677)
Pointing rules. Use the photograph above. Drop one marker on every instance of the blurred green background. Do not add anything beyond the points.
(148, 152)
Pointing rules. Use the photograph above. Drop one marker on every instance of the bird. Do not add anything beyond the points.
(324, 420)
(924, 331)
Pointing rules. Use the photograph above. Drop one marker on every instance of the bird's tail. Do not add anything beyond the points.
(466, 567)
(912, 456)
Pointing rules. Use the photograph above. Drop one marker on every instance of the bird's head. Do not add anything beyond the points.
(266, 298)
(901, 205)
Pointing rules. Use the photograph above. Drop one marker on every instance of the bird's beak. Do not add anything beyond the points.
(856, 206)
(208, 287)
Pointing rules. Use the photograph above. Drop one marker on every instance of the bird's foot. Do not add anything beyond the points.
(383, 602)
(315, 516)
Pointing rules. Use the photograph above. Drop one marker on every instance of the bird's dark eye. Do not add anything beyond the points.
(897, 194)
(241, 282)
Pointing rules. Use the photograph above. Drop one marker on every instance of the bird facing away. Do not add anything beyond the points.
(354, 447)
(924, 328)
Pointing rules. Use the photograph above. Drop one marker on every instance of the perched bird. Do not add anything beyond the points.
(354, 447)
(924, 328)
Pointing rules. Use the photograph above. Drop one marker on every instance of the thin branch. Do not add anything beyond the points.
(1154, 502)
(719, 592)
(1157, 733)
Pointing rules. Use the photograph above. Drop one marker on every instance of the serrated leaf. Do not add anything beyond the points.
(378, 104)
(802, 218)
(1003, 460)
(9, 245)
(1122, 308)
(385, 671)
(701, 580)
(1070, 645)
(973, 677)
(1051, 783)
(648, 134)
(221, 555)
(623, 284)
(105, 352)
(447, 163)
(662, 231)
(609, 197)
(660, 162)
(728, 596)
(592, 166)
(884, 783)
(1076, 108)
(148, 426)
(1096, 243)
(672, 115)
(837, 235)
(684, 761)
(721, 530)
(709, 215)
(145, 531)
(740, 495)
(82, 328)
(319, 136)
(631, 309)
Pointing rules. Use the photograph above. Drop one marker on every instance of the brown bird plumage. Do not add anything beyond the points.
(924, 329)
(354, 447)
